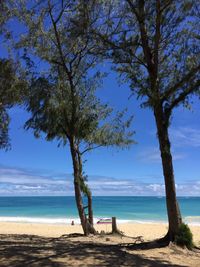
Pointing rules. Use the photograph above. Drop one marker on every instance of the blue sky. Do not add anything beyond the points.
(37, 167)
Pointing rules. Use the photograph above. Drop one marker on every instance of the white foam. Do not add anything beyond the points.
(39, 220)
(64, 220)
(192, 220)
(49, 220)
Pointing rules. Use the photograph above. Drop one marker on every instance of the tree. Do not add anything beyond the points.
(12, 93)
(4, 15)
(62, 101)
(153, 47)
(12, 87)
(8, 97)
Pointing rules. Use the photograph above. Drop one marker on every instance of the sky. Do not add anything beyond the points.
(37, 167)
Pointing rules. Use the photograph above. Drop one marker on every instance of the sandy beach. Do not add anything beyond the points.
(149, 231)
(27, 244)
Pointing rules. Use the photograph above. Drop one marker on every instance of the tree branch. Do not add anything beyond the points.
(140, 15)
(115, 46)
(157, 35)
(70, 78)
(180, 83)
(62, 11)
(182, 96)
(90, 148)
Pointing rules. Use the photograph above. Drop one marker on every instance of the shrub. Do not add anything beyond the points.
(184, 236)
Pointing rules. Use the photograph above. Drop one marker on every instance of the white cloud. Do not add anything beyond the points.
(25, 182)
(13, 176)
(185, 136)
(22, 182)
(157, 188)
(152, 155)
(180, 137)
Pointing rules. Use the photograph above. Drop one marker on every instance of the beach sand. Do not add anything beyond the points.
(27, 244)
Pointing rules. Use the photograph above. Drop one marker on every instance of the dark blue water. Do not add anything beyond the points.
(62, 209)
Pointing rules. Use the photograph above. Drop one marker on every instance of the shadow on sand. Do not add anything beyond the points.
(28, 251)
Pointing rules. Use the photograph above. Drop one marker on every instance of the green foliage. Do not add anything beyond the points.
(53, 113)
(11, 93)
(4, 14)
(63, 102)
(62, 97)
(84, 186)
(12, 87)
(154, 47)
(4, 124)
(184, 236)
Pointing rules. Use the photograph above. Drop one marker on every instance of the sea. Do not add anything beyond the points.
(62, 209)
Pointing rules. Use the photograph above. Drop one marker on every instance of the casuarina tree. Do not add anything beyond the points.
(62, 100)
(153, 46)
(12, 87)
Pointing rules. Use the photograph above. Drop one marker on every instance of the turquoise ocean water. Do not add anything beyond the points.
(63, 209)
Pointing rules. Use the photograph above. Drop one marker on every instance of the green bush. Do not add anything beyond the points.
(184, 236)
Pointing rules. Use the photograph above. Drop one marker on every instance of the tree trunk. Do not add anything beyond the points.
(78, 197)
(173, 211)
(79, 204)
(90, 210)
(86, 191)
(87, 227)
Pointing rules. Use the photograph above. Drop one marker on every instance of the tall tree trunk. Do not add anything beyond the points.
(78, 196)
(77, 166)
(173, 211)
(79, 204)
(90, 210)
(88, 194)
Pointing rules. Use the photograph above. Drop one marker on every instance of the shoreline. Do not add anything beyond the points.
(190, 220)
(65, 221)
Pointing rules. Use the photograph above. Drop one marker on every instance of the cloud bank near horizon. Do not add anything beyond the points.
(21, 182)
